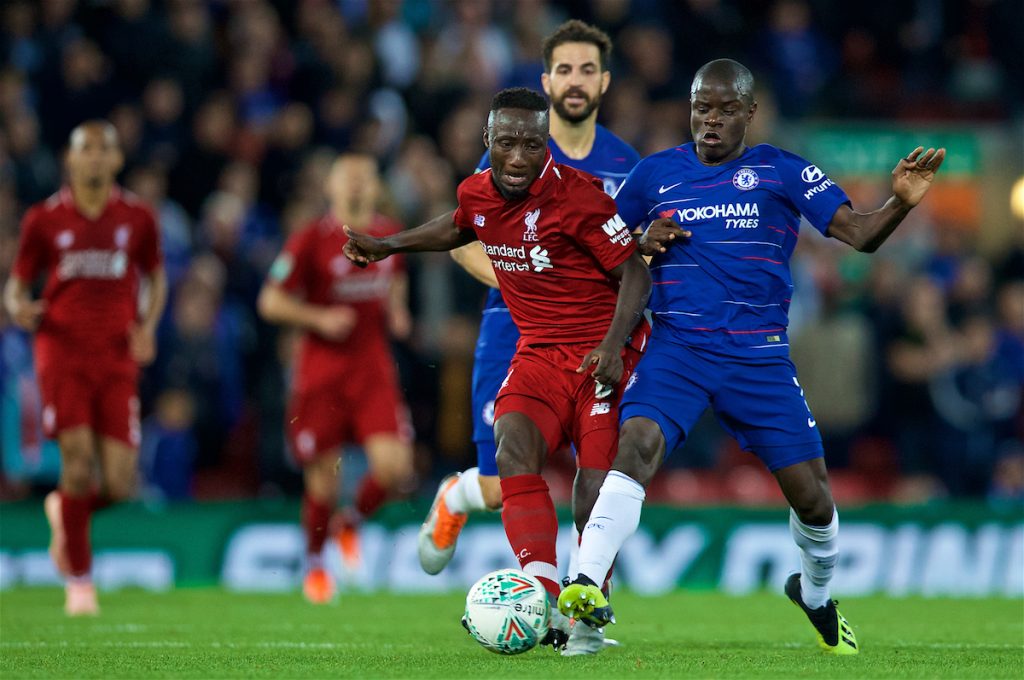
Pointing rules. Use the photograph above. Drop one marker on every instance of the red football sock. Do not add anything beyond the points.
(369, 496)
(531, 526)
(75, 512)
(315, 517)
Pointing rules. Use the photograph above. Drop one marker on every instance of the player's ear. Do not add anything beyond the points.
(487, 139)
(751, 111)
(606, 79)
(545, 82)
(118, 161)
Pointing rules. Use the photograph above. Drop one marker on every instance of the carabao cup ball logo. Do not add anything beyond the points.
(745, 179)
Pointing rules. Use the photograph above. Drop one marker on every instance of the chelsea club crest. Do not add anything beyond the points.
(745, 179)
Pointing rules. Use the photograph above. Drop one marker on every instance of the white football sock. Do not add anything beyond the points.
(466, 495)
(615, 517)
(819, 552)
(574, 553)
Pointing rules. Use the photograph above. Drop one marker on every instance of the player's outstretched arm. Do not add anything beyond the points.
(23, 310)
(634, 290)
(474, 260)
(911, 180)
(438, 234)
(276, 305)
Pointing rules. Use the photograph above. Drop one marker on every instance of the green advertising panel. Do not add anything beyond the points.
(873, 152)
(956, 550)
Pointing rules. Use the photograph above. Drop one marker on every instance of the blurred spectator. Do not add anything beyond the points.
(150, 183)
(35, 167)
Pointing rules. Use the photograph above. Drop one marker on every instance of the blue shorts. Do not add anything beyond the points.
(488, 375)
(757, 400)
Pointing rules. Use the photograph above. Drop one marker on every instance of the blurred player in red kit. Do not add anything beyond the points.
(97, 244)
(345, 385)
(575, 286)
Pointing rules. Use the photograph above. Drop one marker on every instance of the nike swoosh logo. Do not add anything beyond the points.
(811, 422)
(664, 188)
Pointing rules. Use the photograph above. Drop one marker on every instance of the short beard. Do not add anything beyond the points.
(575, 118)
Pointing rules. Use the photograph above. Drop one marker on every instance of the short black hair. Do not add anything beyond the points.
(575, 30)
(519, 98)
(728, 70)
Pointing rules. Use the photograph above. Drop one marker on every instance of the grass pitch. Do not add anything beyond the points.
(209, 633)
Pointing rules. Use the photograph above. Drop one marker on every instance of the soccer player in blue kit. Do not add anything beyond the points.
(576, 76)
(723, 221)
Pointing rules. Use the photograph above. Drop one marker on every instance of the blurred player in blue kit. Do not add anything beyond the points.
(576, 76)
(722, 221)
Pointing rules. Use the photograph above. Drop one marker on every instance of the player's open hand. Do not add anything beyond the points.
(362, 249)
(660, 235)
(335, 323)
(28, 313)
(607, 363)
(913, 175)
(142, 344)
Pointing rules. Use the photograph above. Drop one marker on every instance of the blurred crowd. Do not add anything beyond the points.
(230, 112)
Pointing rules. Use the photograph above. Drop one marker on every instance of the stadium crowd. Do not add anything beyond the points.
(231, 111)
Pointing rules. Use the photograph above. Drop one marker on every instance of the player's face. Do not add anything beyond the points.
(719, 117)
(353, 184)
(576, 81)
(518, 140)
(94, 158)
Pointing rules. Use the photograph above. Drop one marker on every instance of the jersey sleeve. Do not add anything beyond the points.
(592, 220)
(464, 216)
(631, 198)
(149, 255)
(31, 257)
(811, 192)
(288, 270)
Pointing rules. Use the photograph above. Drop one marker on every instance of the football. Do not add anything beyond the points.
(507, 612)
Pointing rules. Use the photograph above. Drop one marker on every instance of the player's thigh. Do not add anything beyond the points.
(524, 430)
(115, 409)
(67, 395)
(763, 406)
(316, 424)
(119, 464)
(671, 387)
(389, 458)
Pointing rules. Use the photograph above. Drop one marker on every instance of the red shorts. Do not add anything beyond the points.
(543, 384)
(366, 403)
(104, 400)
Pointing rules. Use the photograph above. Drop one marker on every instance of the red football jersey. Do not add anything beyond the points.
(92, 274)
(551, 251)
(313, 266)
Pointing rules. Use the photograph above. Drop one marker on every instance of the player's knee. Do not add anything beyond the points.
(641, 449)
(814, 508)
(121, 487)
(490, 487)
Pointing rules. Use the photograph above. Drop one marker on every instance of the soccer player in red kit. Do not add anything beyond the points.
(345, 387)
(96, 244)
(576, 288)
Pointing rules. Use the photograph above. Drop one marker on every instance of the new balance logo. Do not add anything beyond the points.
(540, 258)
(600, 408)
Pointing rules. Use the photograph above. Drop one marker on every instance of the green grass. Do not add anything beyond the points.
(209, 633)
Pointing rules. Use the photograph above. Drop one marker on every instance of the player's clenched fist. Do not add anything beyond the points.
(362, 249)
(335, 323)
(608, 361)
(659, 235)
(27, 313)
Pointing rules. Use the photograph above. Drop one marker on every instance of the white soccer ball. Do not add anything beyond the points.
(507, 611)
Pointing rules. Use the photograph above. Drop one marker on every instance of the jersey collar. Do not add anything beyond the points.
(548, 175)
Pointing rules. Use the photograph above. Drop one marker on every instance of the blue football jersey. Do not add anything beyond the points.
(610, 160)
(728, 288)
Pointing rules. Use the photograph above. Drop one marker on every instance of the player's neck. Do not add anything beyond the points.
(91, 201)
(358, 221)
(576, 140)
